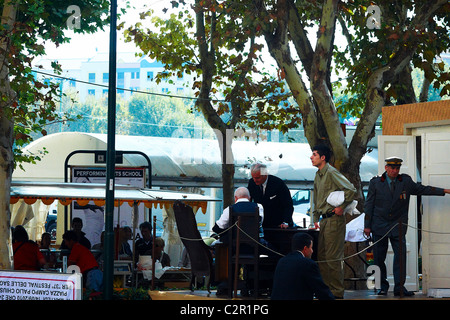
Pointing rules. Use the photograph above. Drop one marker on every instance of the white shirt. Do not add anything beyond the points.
(224, 219)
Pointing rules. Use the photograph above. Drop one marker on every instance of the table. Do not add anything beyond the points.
(173, 277)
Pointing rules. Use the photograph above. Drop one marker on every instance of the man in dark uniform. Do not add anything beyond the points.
(273, 194)
(386, 206)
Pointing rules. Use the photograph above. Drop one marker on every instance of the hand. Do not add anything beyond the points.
(283, 225)
(316, 225)
(367, 231)
(338, 211)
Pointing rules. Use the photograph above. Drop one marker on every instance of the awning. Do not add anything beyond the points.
(66, 193)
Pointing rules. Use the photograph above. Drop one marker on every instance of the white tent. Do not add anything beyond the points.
(180, 161)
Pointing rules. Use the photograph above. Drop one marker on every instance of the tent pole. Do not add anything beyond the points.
(110, 159)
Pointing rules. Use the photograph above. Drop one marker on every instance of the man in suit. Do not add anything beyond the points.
(297, 276)
(385, 208)
(273, 194)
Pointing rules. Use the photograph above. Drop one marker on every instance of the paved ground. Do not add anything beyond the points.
(349, 295)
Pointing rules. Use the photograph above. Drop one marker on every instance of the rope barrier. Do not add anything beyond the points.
(322, 261)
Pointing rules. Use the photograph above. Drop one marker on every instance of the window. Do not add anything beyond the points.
(135, 75)
(165, 90)
(91, 92)
(105, 77)
(105, 92)
(92, 77)
(149, 75)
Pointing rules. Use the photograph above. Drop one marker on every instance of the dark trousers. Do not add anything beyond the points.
(379, 255)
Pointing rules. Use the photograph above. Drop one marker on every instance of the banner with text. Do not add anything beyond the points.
(20, 285)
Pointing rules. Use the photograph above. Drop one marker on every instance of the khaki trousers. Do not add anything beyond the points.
(331, 253)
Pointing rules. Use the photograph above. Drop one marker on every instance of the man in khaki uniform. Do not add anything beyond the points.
(330, 252)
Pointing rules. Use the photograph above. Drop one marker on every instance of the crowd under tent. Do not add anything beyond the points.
(25, 195)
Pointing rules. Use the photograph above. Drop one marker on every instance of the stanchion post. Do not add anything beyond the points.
(400, 251)
(153, 252)
(236, 262)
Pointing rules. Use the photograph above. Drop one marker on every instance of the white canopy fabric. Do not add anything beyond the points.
(48, 192)
(181, 161)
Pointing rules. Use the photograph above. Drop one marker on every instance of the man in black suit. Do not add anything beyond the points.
(297, 276)
(273, 194)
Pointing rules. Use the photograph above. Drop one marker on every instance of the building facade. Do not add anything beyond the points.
(90, 77)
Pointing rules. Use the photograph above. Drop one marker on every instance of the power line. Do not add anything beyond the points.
(145, 92)
(117, 88)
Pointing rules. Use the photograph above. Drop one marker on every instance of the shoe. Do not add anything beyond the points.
(406, 293)
(382, 292)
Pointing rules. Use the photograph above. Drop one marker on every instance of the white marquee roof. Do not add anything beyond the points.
(180, 161)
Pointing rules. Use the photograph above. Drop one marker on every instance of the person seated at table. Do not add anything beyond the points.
(297, 276)
(85, 260)
(125, 252)
(98, 252)
(144, 245)
(26, 253)
(160, 254)
(77, 226)
(242, 202)
(50, 257)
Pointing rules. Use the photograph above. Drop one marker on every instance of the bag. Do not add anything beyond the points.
(336, 198)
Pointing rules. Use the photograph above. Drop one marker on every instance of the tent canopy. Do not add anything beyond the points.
(181, 162)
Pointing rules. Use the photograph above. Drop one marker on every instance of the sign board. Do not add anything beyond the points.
(22, 285)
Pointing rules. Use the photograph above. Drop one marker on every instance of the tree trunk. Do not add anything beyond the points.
(6, 166)
(319, 83)
(6, 141)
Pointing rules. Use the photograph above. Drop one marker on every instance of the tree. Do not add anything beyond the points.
(211, 42)
(26, 103)
(376, 61)
(143, 114)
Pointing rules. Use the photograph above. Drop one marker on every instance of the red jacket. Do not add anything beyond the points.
(82, 257)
